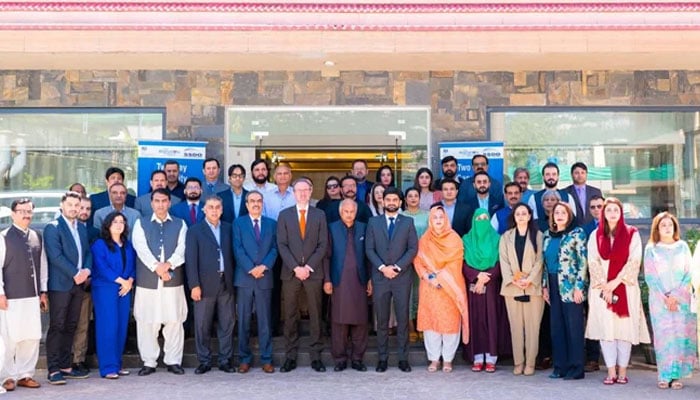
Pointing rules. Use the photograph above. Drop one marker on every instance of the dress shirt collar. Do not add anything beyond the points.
(155, 219)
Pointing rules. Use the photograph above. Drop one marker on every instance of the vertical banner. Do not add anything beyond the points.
(464, 151)
(154, 153)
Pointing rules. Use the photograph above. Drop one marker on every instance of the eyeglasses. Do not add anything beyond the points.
(594, 206)
(479, 164)
(237, 176)
(332, 186)
(24, 212)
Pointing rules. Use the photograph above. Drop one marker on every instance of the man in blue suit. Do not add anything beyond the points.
(209, 268)
(347, 282)
(190, 210)
(467, 189)
(255, 250)
(99, 200)
(483, 197)
(70, 262)
(234, 198)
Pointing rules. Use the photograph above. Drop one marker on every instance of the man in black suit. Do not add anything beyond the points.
(449, 167)
(302, 239)
(234, 198)
(467, 189)
(209, 267)
(348, 189)
(359, 172)
(391, 245)
(582, 193)
(483, 198)
(460, 214)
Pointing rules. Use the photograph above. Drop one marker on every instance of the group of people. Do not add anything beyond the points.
(502, 269)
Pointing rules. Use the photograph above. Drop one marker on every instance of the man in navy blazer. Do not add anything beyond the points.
(190, 210)
(582, 193)
(209, 270)
(255, 250)
(234, 198)
(460, 214)
(99, 200)
(70, 262)
(391, 244)
(483, 197)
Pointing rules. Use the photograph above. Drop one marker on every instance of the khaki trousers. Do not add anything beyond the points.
(524, 321)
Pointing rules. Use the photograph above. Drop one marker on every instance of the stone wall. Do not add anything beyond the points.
(196, 100)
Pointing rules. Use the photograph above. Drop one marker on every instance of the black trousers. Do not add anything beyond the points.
(64, 313)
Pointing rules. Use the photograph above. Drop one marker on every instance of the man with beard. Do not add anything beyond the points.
(521, 176)
(117, 198)
(348, 189)
(460, 215)
(23, 285)
(260, 174)
(481, 182)
(280, 196)
(467, 189)
(359, 172)
(174, 186)
(582, 193)
(159, 180)
(190, 210)
(513, 193)
(550, 176)
(211, 169)
(391, 244)
(449, 171)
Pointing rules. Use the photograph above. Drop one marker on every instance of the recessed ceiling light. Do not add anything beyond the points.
(329, 63)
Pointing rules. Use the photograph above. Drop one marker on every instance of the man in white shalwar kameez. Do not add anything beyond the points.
(159, 242)
(23, 285)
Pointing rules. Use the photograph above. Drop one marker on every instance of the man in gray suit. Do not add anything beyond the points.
(302, 238)
(117, 197)
(391, 244)
(159, 180)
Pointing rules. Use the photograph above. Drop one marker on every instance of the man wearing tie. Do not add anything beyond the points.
(70, 262)
(212, 185)
(302, 238)
(190, 210)
(582, 193)
(159, 302)
(209, 265)
(391, 245)
(255, 250)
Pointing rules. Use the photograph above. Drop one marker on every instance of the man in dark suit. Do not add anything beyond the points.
(255, 250)
(99, 200)
(190, 210)
(482, 197)
(348, 189)
(302, 239)
(460, 215)
(359, 172)
(467, 189)
(582, 193)
(449, 167)
(391, 245)
(234, 198)
(347, 284)
(209, 271)
(70, 262)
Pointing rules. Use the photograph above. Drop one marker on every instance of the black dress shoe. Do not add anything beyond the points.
(318, 366)
(144, 371)
(81, 366)
(228, 368)
(404, 366)
(201, 369)
(358, 366)
(340, 366)
(381, 366)
(177, 369)
(289, 365)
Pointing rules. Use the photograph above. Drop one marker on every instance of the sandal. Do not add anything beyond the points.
(609, 380)
(433, 367)
(622, 380)
(447, 367)
(124, 372)
(662, 385)
(112, 375)
(490, 368)
(676, 385)
(477, 367)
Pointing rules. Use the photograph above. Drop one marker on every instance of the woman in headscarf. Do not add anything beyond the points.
(565, 283)
(615, 314)
(442, 308)
(482, 274)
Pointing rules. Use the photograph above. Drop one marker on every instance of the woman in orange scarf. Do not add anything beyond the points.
(442, 305)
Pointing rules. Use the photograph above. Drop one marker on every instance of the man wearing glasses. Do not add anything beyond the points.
(23, 285)
(467, 190)
(234, 199)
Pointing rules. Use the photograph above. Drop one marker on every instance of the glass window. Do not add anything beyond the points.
(44, 150)
(645, 157)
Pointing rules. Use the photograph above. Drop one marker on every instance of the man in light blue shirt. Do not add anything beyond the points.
(281, 196)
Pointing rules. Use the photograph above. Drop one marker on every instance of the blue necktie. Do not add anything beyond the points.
(256, 230)
(391, 226)
(211, 187)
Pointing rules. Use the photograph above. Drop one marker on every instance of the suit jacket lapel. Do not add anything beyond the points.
(66, 231)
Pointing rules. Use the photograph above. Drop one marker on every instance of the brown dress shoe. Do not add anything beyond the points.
(243, 368)
(268, 368)
(591, 366)
(28, 383)
(9, 385)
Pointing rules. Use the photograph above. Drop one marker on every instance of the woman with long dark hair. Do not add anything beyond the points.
(424, 183)
(385, 176)
(331, 193)
(113, 273)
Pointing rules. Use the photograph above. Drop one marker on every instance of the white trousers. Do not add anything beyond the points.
(147, 339)
(437, 344)
(485, 357)
(616, 352)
